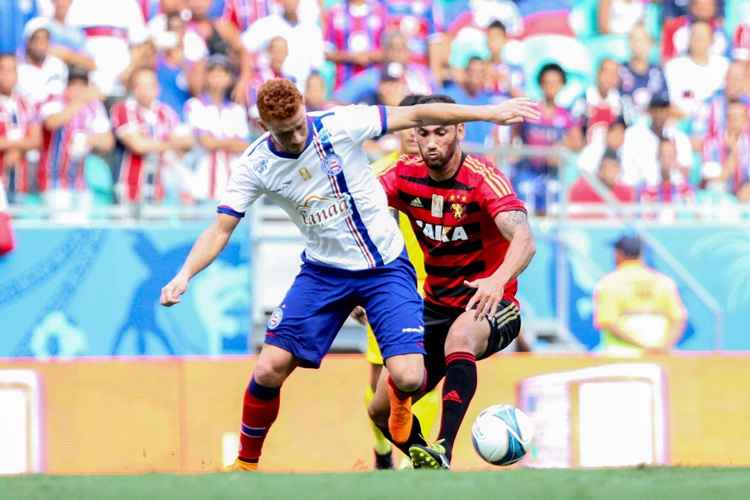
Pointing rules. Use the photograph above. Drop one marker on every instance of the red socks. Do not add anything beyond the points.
(259, 410)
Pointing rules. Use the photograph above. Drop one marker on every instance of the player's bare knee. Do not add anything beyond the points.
(270, 374)
(460, 339)
(408, 378)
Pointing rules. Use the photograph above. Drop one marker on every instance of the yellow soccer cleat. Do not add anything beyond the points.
(241, 466)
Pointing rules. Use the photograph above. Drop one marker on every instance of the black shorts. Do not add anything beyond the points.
(504, 328)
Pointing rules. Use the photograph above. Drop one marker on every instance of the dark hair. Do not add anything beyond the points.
(429, 99)
(473, 59)
(497, 25)
(77, 73)
(552, 67)
(410, 100)
(610, 154)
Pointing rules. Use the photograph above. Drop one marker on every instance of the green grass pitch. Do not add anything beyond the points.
(616, 484)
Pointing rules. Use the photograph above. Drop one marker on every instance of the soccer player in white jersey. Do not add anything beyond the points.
(313, 166)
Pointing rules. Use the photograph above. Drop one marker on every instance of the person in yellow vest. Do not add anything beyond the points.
(427, 408)
(637, 309)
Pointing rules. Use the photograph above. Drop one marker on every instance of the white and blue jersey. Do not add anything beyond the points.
(328, 190)
(354, 252)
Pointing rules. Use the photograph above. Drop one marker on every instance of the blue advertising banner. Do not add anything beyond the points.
(69, 292)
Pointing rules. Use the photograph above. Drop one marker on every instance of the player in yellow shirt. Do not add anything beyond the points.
(427, 408)
(636, 308)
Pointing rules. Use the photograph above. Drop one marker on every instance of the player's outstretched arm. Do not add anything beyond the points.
(509, 112)
(514, 226)
(208, 245)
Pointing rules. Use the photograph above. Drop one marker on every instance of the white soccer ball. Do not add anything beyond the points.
(502, 434)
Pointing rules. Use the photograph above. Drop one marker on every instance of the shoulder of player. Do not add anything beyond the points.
(481, 171)
(404, 163)
(257, 157)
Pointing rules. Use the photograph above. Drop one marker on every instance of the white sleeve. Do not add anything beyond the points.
(100, 123)
(243, 189)
(256, 36)
(194, 115)
(363, 122)
(240, 128)
(137, 30)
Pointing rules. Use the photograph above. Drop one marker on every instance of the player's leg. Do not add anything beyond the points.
(299, 333)
(394, 309)
(467, 341)
(382, 447)
(260, 405)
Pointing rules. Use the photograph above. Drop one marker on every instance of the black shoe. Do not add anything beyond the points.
(384, 461)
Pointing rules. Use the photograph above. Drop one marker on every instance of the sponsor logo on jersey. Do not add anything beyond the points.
(417, 203)
(445, 234)
(324, 210)
(276, 316)
(332, 164)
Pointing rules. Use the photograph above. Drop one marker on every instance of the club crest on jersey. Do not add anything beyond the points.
(458, 210)
(318, 210)
(332, 164)
(261, 166)
(276, 316)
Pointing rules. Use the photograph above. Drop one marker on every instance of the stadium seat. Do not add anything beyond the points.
(99, 179)
(568, 52)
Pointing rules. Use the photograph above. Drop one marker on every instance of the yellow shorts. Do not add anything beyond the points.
(372, 354)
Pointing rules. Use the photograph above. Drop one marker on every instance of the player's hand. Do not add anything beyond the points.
(359, 315)
(172, 291)
(514, 111)
(487, 297)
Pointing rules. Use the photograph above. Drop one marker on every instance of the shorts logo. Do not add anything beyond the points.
(332, 164)
(276, 316)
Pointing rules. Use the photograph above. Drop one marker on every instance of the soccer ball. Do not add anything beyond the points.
(502, 434)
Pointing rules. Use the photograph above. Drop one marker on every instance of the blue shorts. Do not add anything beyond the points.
(321, 299)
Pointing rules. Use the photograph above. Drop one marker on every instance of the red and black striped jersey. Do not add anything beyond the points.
(454, 221)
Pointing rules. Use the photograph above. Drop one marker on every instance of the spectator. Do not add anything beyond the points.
(158, 23)
(619, 17)
(741, 42)
(41, 73)
(601, 105)
(474, 91)
(152, 138)
(353, 30)
(219, 127)
(731, 150)
(221, 37)
(556, 127)
(68, 42)
(637, 309)
(608, 173)
(243, 13)
(115, 38)
(675, 40)
(481, 13)
(391, 91)
(13, 17)
(303, 36)
(417, 77)
(506, 78)
(180, 70)
(711, 119)
(591, 155)
(672, 188)
(19, 130)
(640, 149)
(75, 123)
(422, 23)
(270, 66)
(639, 79)
(693, 78)
(316, 93)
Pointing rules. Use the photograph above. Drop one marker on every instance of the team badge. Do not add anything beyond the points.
(261, 166)
(458, 210)
(276, 316)
(305, 174)
(437, 205)
(332, 164)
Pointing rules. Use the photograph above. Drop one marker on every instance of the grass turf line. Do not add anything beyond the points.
(618, 484)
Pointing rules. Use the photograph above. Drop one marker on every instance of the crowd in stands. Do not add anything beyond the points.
(137, 102)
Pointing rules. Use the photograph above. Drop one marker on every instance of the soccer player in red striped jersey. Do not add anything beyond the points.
(476, 240)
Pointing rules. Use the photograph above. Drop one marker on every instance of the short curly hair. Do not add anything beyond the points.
(278, 99)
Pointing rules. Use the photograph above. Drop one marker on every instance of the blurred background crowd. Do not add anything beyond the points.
(148, 102)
